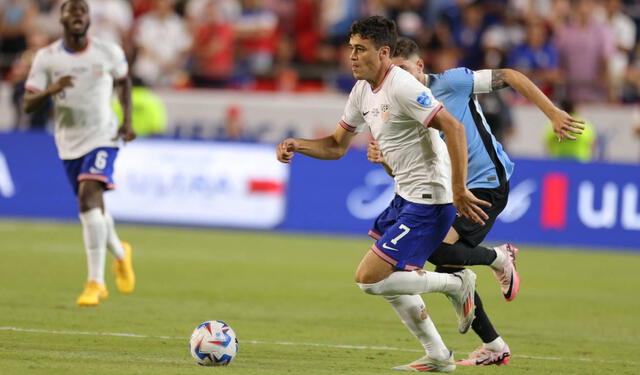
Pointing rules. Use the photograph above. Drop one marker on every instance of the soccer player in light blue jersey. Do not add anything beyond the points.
(489, 170)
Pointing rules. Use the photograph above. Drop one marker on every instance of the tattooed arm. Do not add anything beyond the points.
(563, 124)
(498, 78)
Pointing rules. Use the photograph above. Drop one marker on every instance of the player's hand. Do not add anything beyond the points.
(126, 133)
(61, 84)
(469, 206)
(374, 154)
(565, 126)
(286, 149)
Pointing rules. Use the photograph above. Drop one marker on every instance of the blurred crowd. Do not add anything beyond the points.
(577, 51)
(581, 50)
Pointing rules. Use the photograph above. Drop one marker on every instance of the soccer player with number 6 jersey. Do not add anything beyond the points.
(78, 73)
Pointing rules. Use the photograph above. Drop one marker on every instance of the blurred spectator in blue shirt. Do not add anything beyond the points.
(537, 58)
(468, 36)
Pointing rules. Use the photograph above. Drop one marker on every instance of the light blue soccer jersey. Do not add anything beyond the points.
(489, 164)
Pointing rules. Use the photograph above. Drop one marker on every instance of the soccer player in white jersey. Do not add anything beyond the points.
(79, 74)
(404, 118)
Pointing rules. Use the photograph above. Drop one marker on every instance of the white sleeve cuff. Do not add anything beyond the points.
(482, 81)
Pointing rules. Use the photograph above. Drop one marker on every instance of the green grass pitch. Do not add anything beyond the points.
(294, 306)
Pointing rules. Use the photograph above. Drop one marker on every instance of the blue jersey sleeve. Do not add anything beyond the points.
(459, 80)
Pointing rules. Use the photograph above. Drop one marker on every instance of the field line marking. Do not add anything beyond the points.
(357, 347)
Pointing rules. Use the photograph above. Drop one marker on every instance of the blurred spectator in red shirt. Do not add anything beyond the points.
(585, 46)
(255, 30)
(213, 50)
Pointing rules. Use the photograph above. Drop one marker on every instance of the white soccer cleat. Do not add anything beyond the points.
(485, 357)
(464, 301)
(426, 364)
(507, 274)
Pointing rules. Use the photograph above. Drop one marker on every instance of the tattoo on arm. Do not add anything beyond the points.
(498, 79)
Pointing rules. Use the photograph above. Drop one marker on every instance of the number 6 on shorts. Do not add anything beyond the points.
(101, 159)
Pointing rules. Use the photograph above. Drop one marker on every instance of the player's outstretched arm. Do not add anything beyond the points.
(328, 148)
(123, 89)
(563, 124)
(464, 200)
(34, 99)
(374, 155)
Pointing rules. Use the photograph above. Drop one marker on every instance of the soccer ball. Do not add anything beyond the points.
(213, 343)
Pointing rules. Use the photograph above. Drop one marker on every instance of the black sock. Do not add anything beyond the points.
(481, 324)
(461, 254)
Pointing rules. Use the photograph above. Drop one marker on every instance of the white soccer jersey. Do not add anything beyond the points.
(83, 114)
(398, 112)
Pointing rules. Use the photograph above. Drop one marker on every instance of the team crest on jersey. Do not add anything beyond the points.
(424, 99)
(384, 108)
(97, 70)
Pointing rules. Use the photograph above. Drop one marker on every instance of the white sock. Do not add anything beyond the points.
(113, 241)
(496, 345)
(497, 263)
(94, 231)
(414, 282)
(412, 312)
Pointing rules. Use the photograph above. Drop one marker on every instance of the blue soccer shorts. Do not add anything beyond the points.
(407, 233)
(97, 165)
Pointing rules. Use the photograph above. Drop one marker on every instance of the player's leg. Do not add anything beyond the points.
(405, 246)
(410, 308)
(93, 175)
(462, 246)
(413, 313)
(123, 260)
(460, 251)
(114, 245)
(94, 230)
(494, 350)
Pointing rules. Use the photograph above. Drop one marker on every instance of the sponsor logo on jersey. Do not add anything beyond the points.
(424, 100)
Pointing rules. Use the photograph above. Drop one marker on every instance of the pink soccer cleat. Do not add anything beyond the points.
(485, 357)
(507, 274)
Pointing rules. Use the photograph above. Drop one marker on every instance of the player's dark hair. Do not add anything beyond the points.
(64, 4)
(381, 31)
(406, 48)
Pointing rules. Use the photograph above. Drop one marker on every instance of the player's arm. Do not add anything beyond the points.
(464, 200)
(563, 124)
(33, 99)
(328, 148)
(123, 90)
